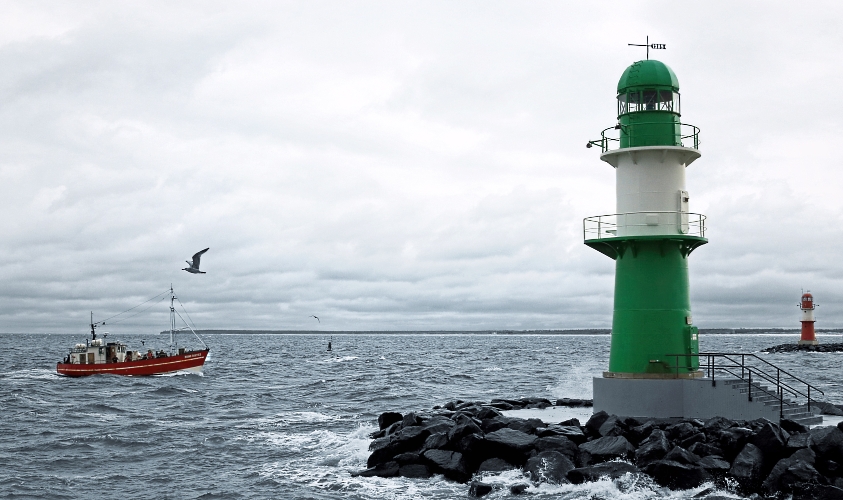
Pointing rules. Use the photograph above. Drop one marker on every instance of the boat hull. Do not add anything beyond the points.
(192, 361)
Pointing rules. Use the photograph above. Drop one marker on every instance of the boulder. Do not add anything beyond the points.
(771, 440)
(574, 433)
(407, 458)
(605, 448)
(680, 431)
(797, 442)
(715, 465)
(817, 492)
(529, 426)
(488, 412)
(479, 489)
(612, 427)
(697, 437)
(792, 427)
(557, 443)
(732, 441)
(411, 419)
(571, 422)
(705, 449)
(461, 430)
(676, 475)
(681, 455)
(641, 432)
(502, 406)
(611, 470)
(449, 463)
(510, 445)
(388, 469)
(436, 441)
(388, 418)
(748, 467)
(549, 466)
(655, 447)
(495, 465)
(827, 442)
(792, 470)
(419, 471)
(492, 424)
(717, 424)
(592, 427)
(827, 408)
(517, 489)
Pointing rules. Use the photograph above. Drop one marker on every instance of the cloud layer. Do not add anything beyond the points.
(399, 166)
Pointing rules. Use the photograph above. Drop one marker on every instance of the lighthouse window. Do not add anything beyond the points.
(648, 100)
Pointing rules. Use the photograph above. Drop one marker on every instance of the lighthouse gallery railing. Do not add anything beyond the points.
(739, 365)
(687, 133)
(658, 222)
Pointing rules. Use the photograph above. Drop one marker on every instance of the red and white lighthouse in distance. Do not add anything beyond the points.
(807, 305)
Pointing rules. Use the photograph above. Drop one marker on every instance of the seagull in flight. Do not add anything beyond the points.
(194, 266)
(317, 318)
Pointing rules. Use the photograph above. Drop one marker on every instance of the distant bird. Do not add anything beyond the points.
(317, 318)
(194, 266)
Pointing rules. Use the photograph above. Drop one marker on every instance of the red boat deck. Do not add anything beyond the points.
(188, 360)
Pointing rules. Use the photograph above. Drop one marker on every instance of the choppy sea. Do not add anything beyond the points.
(276, 416)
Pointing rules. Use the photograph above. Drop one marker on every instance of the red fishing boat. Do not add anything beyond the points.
(96, 356)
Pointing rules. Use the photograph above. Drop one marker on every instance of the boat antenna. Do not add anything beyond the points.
(172, 320)
(93, 327)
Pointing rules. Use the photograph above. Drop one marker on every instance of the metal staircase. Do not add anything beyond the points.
(780, 392)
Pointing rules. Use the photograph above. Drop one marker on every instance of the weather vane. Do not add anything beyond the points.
(649, 46)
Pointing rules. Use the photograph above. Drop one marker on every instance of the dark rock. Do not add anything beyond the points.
(449, 463)
(798, 441)
(574, 402)
(828, 468)
(641, 432)
(817, 492)
(771, 440)
(683, 456)
(472, 447)
(436, 441)
(549, 466)
(557, 443)
(488, 413)
(411, 419)
(479, 489)
(593, 425)
(393, 428)
(469, 404)
(378, 434)
(451, 405)
(419, 471)
(792, 427)
(691, 440)
(748, 467)
(827, 442)
(680, 431)
(612, 427)
(388, 418)
(827, 408)
(495, 465)
(407, 458)
(461, 430)
(705, 449)
(517, 489)
(574, 433)
(605, 448)
(540, 406)
(512, 402)
(510, 445)
(493, 424)
(612, 470)
(655, 447)
(714, 464)
(574, 422)
(388, 469)
(502, 406)
(676, 475)
(534, 401)
(791, 471)
(717, 424)
(529, 425)
(732, 441)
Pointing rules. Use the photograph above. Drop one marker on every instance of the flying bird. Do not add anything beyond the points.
(317, 318)
(194, 266)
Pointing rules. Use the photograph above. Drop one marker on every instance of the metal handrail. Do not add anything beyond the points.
(604, 141)
(746, 375)
(603, 226)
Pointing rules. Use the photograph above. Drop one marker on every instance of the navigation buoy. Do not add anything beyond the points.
(807, 305)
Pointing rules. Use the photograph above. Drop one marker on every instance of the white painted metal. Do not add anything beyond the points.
(649, 180)
(807, 315)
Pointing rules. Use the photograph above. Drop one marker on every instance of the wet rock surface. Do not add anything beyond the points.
(465, 441)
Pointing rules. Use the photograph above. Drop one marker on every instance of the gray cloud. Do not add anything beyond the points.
(399, 166)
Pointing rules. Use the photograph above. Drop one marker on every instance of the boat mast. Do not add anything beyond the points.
(172, 320)
(93, 330)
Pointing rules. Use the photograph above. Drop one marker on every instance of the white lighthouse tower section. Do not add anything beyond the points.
(650, 189)
(808, 314)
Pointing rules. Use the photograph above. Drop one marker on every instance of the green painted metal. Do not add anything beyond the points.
(648, 106)
(652, 309)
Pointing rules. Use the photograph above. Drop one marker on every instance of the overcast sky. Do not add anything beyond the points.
(400, 165)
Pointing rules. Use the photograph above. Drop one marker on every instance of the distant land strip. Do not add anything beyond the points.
(735, 331)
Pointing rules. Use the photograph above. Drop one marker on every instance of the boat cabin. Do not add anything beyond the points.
(96, 352)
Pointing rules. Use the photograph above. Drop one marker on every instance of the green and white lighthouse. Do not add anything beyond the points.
(651, 235)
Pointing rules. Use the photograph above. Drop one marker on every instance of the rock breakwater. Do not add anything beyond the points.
(464, 440)
(794, 347)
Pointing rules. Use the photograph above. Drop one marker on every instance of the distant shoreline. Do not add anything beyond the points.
(719, 331)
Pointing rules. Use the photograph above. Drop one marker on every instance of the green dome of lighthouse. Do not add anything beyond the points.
(649, 74)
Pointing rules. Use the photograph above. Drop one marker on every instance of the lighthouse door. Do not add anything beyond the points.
(684, 198)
